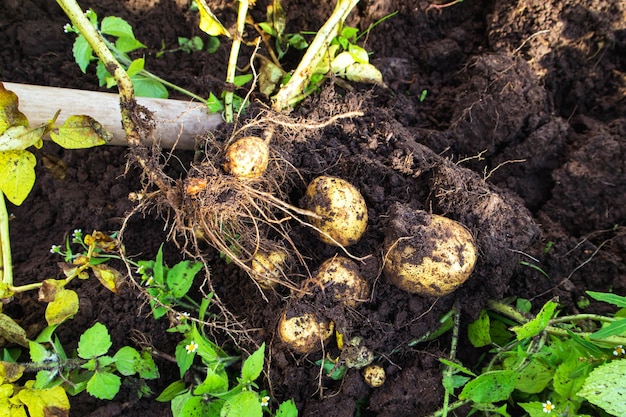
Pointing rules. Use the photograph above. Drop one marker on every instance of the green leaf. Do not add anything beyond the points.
(614, 299)
(184, 359)
(17, 175)
(534, 377)
(523, 305)
(83, 54)
(135, 66)
(212, 45)
(148, 87)
(214, 104)
(158, 268)
(125, 44)
(287, 409)
(359, 54)
(95, 342)
(489, 387)
(173, 390)
(104, 385)
(615, 328)
(241, 80)
(38, 352)
(253, 365)
(452, 382)
(126, 360)
(478, 331)
(604, 387)
(214, 383)
(457, 366)
(244, 404)
(146, 368)
(80, 132)
(116, 26)
(180, 277)
(44, 379)
(64, 306)
(564, 382)
(535, 326)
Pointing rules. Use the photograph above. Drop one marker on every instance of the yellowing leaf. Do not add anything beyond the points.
(49, 290)
(341, 62)
(64, 306)
(208, 22)
(9, 114)
(42, 402)
(21, 137)
(17, 174)
(10, 372)
(80, 132)
(109, 277)
(12, 331)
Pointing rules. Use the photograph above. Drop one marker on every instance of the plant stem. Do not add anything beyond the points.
(313, 55)
(6, 264)
(232, 60)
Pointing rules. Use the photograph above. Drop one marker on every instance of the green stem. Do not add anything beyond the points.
(447, 373)
(313, 55)
(6, 264)
(453, 406)
(232, 60)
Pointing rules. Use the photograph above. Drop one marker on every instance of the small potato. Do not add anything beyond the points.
(247, 157)
(341, 277)
(341, 209)
(304, 332)
(427, 254)
(267, 268)
(374, 375)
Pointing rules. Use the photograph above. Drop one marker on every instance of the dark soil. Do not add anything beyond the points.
(521, 137)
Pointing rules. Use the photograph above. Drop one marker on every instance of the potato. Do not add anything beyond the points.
(247, 157)
(267, 268)
(427, 254)
(341, 277)
(304, 332)
(341, 209)
(374, 375)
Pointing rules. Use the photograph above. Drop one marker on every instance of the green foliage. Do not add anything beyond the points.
(545, 364)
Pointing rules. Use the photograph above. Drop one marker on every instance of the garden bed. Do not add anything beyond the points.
(520, 137)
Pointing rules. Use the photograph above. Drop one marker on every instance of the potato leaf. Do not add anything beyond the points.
(40, 402)
(108, 277)
(21, 137)
(64, 306)
(208, 22)
(9, 114)
(94, 342)
(104, 385)
(364, 73)
(10, 372)
(80, 132)
(604, 387)
(244, 404)
(12, 331)
(17, 174)
(490, 387)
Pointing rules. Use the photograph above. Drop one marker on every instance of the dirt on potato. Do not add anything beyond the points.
(508, 117)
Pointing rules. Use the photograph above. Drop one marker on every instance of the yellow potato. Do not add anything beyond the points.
(374, 375)
(428, 254)
(247, 157)
(304, 332)
(341, 209)
(341, 277)
(267, 268)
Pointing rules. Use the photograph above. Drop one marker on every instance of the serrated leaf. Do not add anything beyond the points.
(173, 390)
(214, 383)
(180, 277)
(489, 387)
(287, 409)
(192, 406)
(39, 401)
(9, 114)
(83, 54)
(535, 326)
(38, 352)
(104, 385)
(253, 365)
(109, 277)
(479, 331)
(208, 22)
(564, 381)
(244, 404)
(12, 331)
(116, 26)
(126, 360)
(80, 132)
(95, 342)
(146, 368)
(604, 387)
(64, 306)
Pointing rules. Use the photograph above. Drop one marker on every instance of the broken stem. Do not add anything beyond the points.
(232, 60)
(6, 265)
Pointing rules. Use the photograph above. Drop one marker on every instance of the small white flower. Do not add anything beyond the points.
(619, 350)
(191, 347)
(149, 281)
(265, 401)
(67, 28)
(182, 316)
(140, 270)
(55, 249)
(87, 12)
(547, 407)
